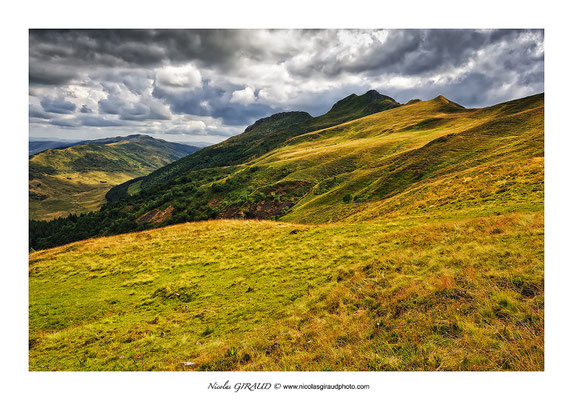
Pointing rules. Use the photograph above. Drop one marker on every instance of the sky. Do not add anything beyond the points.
(203, 86)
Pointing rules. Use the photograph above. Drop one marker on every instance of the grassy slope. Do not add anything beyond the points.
(483, 157)
(377, 157)
(71, 192)
(75, 179)
(438, 264)
(401, 294)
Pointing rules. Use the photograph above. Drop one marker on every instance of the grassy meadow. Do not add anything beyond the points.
(407, 293)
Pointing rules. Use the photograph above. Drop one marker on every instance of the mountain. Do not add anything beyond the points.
(354, 106)
(408, 239)
(390, 161)
(260, 138)
(75, 177)
(36, 146)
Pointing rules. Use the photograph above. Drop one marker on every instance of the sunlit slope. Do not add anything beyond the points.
(75, 179)
(57, 195)
(405, 293)
(459, 159)
(489, 158)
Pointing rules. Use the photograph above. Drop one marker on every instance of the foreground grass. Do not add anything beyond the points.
(403, 293)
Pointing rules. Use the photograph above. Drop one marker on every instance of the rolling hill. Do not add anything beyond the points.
(405, 239)
(74, 178)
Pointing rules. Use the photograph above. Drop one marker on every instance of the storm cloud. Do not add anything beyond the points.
(206, 85)
(58, 106)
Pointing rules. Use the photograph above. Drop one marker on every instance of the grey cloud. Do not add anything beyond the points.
(378, 56)
(35, 112)
(88, 120)
(474, 85)
(110, 105)
(67, 123)
(214, 102)
(85, 109)
(120, 48)
(439, 48)
(141, 112)
(470, 90)
(184, 131)
(135, 80)
(42, 73)
(243, 114)
(410, 52)
(144, 109)
(58, 106)
(404, 51)
(533, 78)
(135, 113)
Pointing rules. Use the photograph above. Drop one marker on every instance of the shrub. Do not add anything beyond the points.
(217, 188)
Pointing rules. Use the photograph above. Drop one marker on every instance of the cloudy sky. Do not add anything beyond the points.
(204, 86)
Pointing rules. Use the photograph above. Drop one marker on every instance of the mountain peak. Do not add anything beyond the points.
(136, 136)
(375, 95)
(359, 106)
(443, 99)
(447, 104)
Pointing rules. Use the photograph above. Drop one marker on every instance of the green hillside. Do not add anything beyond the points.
(74, 179)
(407, 239)
(346, 171)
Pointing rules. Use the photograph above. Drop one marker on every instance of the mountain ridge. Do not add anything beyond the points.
(257, 140)
(37, 146)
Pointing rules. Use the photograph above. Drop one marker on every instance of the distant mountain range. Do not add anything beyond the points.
(36, 146)
(74, 177)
